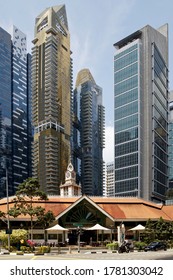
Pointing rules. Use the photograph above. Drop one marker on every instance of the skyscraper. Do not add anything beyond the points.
(89, 125)
(15, 94)
(21, 108)
(141, 114)
(170, 153)
(5, 112)
(110, 182)
(51, 91)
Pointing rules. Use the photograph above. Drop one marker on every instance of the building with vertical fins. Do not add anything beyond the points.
(51, 92)
(170, 149)
(15, 99)
(89, 127)
(141, 114)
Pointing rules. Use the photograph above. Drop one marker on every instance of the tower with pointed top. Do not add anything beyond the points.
(51, 87)
(70, 188)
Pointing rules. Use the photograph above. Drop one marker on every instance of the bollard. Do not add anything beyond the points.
(69, 250)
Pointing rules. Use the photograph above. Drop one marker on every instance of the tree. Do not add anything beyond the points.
(23, 202)
(17, 236)
(45, 219)
(158, 230)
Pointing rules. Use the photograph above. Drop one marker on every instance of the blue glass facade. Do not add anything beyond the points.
(5, 113)
(89, 135)
(127, 121)
(15, 111)
(141, 114)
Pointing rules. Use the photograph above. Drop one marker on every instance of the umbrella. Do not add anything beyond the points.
(57, 228)
(138, 228)
(97, 227)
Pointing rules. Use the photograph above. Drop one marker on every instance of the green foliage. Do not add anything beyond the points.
(17, 236)
(45, 218)
(2, 214)
(112, 246)
(139, 245)
(169, 194)
(43, 249)
(23, 202)
(158, 230)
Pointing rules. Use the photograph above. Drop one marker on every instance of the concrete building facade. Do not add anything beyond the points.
(141, 114)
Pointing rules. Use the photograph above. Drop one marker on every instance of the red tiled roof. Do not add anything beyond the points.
(118, 208)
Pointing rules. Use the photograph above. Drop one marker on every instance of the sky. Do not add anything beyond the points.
(95, 25)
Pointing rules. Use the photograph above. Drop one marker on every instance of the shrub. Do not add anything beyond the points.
(139, 245)
(112, 246)
(43, 249)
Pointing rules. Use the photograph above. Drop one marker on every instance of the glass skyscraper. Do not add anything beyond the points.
(5, 112)
(51, 92)
(15, 128)
(21, 95)
(141, 114)
(89, 125)
(170, 153)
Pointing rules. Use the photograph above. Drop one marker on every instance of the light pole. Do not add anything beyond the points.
(8, 219)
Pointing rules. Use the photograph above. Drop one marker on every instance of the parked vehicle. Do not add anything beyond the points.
(155, 246)
(123, 248)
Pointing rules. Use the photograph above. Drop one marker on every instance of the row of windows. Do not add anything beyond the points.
(125, 73)
(126, 85)
(160, 165)
(127, 97)
(126, 173)
(160, 107)
(126, 60)
(159, 83)
(160, 153)
(126, 148)
(127, 51)
(126, 110)
(160, 142)
(126, 160)
(126, 123)
(127, 135)
(160, 118)
(158, 128)
(160, 60)
(160, 177)
(160, 189)
(160, 73)
(160, 95)
(128, 185)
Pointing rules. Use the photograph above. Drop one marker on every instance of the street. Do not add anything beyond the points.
(94, 255)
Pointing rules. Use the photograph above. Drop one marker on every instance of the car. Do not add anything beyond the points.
(155, 246)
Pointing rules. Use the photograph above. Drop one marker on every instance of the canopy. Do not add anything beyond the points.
(56, 228)
(97, 227)
(138, 228)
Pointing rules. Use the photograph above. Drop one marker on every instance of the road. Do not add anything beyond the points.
(95, 255)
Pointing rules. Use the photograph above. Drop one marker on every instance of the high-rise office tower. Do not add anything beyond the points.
(170, 149)
(15, 127)
(110, 181)
(89, 126)
(51, 91)
(141, 114)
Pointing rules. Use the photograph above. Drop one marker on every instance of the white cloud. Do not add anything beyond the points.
(108, 154)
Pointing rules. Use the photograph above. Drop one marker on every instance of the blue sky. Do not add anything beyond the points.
(95, 25)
